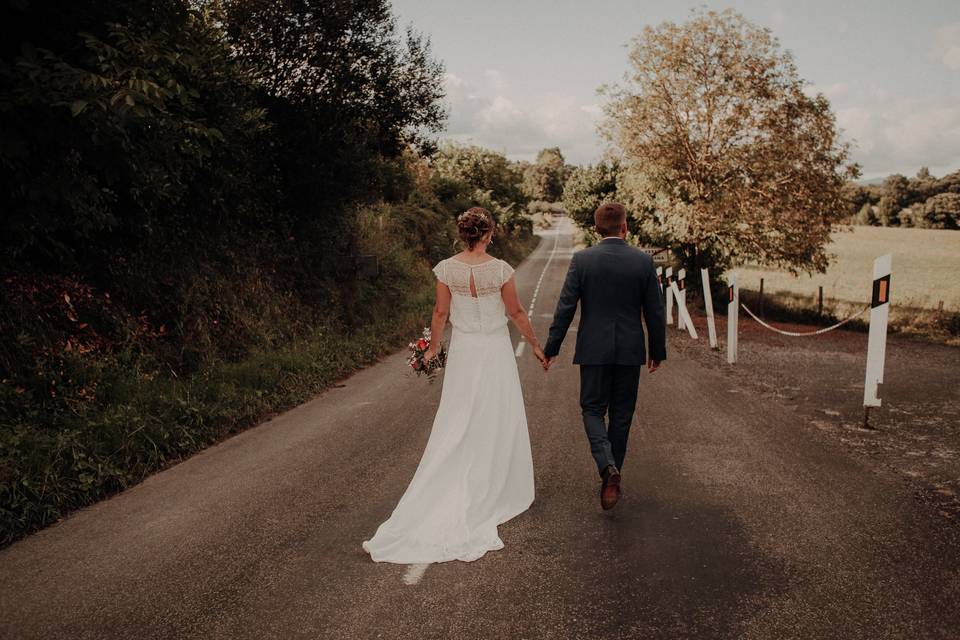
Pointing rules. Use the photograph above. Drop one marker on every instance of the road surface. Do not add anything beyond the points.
(734, 524)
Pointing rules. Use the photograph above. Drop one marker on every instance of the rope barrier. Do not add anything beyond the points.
(796, 334)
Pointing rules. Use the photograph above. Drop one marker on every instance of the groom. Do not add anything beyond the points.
(614, 284)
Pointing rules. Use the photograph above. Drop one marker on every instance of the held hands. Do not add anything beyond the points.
(538, 352)
(545, 362)
(652, 365)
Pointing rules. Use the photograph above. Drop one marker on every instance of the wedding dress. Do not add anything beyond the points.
(476, 470)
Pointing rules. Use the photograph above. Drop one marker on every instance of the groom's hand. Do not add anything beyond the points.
(547, 362)
(652, 365)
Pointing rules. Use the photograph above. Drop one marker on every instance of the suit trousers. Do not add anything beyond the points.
(608, 388)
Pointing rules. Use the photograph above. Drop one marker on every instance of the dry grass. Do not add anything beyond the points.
(925, 267)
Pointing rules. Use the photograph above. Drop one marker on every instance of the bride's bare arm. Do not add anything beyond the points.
(519, 316)
(441, 311)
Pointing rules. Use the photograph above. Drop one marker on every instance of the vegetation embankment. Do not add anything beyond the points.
(188, 195)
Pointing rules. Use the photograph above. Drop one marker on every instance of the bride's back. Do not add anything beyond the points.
(476, 309)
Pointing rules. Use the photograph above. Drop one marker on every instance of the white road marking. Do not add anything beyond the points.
(536, 289)
(415, 573)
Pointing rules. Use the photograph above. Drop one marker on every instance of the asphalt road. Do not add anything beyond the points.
(734, 524)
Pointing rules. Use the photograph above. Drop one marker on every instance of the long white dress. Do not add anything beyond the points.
(476, 470)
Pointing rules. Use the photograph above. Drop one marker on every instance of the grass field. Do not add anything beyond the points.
(926, 266)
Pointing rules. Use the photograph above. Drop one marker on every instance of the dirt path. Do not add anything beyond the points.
(739, 519)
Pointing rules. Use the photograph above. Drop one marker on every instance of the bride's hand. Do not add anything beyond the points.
(538, 352)
(429, 354)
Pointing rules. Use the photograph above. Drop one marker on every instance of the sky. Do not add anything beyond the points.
(522, 75)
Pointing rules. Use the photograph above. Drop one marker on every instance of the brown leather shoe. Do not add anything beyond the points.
(610, 490)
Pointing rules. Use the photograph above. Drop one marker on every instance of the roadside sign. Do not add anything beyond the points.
(660, 255)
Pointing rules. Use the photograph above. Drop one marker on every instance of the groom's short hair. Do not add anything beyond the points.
(608, 217)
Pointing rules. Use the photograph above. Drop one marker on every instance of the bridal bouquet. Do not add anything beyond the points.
(419, 348)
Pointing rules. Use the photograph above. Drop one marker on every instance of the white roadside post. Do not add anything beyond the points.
(682, 310)
(708, 303)
(877, 342)
(733, 308)
(681, 296)
(668, 274)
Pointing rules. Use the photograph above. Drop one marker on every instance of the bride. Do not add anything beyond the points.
(476, 471)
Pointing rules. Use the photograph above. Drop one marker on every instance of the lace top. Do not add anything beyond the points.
(485, 311)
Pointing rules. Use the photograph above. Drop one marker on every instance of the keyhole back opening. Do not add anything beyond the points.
(473, 287)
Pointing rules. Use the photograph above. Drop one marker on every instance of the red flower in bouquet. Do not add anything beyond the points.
(416, 359)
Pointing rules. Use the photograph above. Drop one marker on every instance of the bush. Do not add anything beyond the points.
(181, 224)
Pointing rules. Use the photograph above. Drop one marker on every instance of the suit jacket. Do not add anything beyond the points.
(615, 285)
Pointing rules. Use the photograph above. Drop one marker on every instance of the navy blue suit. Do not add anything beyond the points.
(615, 286)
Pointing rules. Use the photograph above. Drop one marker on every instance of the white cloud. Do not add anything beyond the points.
(952, 58)
(831, 91)
(495, 79)
(778, 16)
(777, 19)
(483, 113)
(946, 45)
(891, 133)
(903, 134)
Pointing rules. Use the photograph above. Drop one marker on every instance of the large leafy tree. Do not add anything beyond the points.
(543, 180)
(587, 187)
(346, 92)
(727, 157)
(479, 168)
(124, 128)
(941, 211)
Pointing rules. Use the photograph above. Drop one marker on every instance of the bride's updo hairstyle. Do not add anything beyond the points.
(474, 224)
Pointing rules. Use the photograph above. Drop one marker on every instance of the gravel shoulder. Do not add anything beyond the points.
(914, 435)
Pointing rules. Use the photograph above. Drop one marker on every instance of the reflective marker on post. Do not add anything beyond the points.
(733, 309)
(668, 276)
(877, 342)
(708, 303)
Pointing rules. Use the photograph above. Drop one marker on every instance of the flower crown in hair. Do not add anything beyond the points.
(470, 213)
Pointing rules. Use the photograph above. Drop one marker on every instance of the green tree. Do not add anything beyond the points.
(133, 136)
(346, 94)
(896, 196)
(481, 169)
(866, 216)
(942, 211)
(888, 212)
(728, 157)
(544, 179)
(587, 188)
